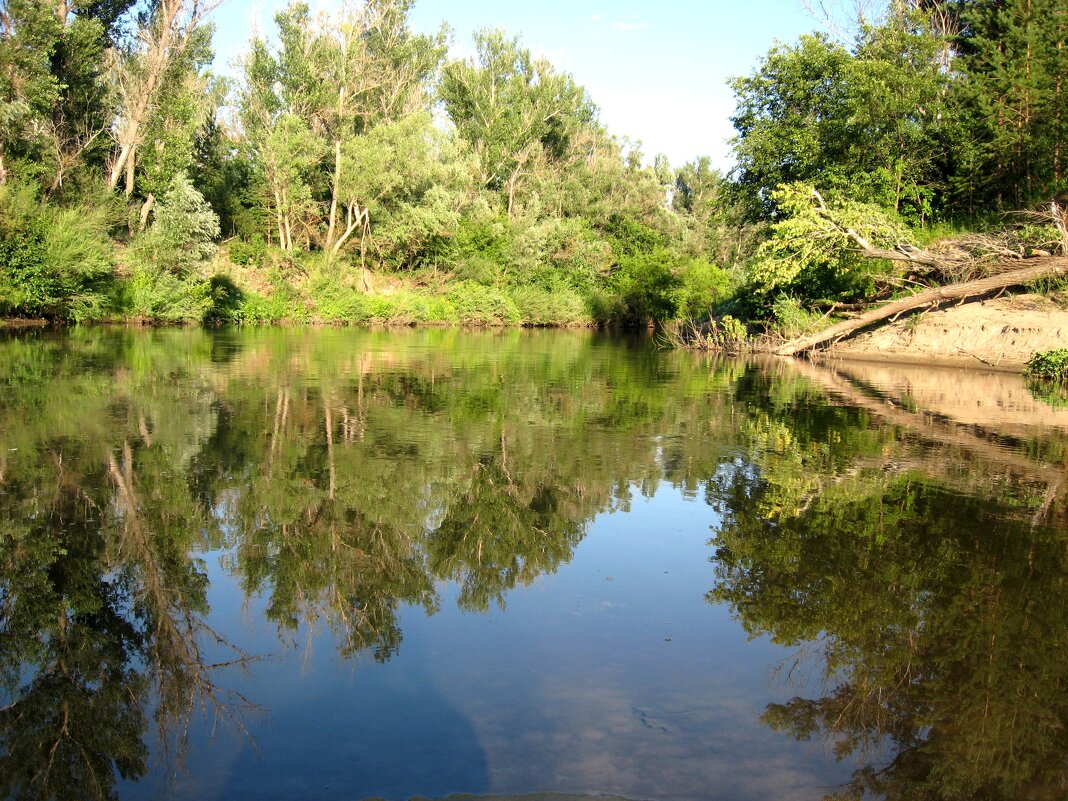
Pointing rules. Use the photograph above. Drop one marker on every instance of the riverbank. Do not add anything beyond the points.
(1002, 333)
(999, 334)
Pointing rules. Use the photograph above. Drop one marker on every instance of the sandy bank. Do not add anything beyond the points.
(1002, 333)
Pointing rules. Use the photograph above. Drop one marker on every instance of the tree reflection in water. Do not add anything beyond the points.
(926, 579)
(345, 477)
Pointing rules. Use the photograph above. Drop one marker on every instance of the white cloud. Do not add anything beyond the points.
(630, 26)
(596, 17)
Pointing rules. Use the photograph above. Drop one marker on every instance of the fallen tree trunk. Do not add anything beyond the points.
(1037, 269)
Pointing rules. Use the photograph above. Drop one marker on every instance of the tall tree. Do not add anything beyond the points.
(514, 110)
(867, 119)
(331, 81)
(1015, 59)
(169, 42)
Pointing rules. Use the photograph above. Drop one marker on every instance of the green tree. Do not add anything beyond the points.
(1015, 56)
(869, 120)
(515, 111)
(331, 81)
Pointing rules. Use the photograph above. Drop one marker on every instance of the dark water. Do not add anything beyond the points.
(335, 564)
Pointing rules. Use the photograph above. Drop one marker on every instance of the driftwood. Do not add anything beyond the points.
(1036, 269)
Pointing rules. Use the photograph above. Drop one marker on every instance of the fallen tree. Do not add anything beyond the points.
(996, 269)
(1036, 269)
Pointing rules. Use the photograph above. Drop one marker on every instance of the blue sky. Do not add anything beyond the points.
(657, 71)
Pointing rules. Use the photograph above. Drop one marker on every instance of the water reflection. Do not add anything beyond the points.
(924, 578)
(916, 556)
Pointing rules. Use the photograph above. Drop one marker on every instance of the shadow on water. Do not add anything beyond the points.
(909, 545)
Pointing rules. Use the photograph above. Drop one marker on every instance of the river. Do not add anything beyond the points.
(340, 564)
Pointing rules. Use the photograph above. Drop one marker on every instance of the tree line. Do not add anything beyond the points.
(351, 172)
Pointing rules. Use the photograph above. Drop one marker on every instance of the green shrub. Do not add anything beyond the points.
(152, 294)
(791, 318)
(539, 306)
(646, 285)
(475, 304)
(702, 285)
(248, 252)
(259, 309)
(54, 262)
(226, 301)
(406, 307)
(183, 232)
(336, 303)
(1052, 364)
(487, 238)
(427, 308)
(726, 333)
(630, 237)
(480, 269)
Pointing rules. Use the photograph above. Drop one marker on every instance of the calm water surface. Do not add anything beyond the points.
(339, 564)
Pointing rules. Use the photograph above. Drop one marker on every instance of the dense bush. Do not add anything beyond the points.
(183, 231)
(250, 252)
(264, 309)
(561, 306)
(152, 294)
(791, 318)
(476, 304)
(1051, 364)
(647, 287)
(701, 286)
(54, 262)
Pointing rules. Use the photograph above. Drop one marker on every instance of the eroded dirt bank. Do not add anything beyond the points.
(1002, 333)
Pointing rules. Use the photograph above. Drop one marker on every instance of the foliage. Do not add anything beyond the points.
(725, 334)
(561, 306)
(701, 286)
(791, 318)
(1049, 364)
(257, 308)
(183, 232)
(249, 252)
(809, 249)
(154, 294)
(936, 116)
(54, 262)
(512, 110)
(476, 304)
(647, 287)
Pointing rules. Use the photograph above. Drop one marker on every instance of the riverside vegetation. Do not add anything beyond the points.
(352, 173)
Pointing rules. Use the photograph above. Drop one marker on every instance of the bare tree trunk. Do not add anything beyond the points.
(328, 246)
(355, 218)
(281, 224)
(1038, 268)
(118, 165)
(511, 193)
(288, 226)
(146, 209)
